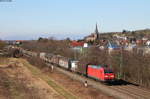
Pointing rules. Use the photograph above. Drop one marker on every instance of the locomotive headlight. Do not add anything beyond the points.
(112, 76)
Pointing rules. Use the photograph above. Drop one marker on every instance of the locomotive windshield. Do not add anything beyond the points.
(108, 71)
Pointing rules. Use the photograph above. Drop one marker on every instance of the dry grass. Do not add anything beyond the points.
(18, 82)
(51, 82)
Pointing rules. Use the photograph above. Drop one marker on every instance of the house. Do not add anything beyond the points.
(79, 46)
(130, 47)
(120, 37)
(148, 43)
(113, 47)
(91, 37)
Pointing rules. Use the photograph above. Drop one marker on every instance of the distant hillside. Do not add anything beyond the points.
(137, 34)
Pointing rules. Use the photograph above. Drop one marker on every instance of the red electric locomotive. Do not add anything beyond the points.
(100, 73)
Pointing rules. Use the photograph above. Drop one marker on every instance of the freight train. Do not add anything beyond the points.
(98, 72)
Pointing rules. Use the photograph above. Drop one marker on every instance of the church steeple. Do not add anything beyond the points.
(96, 29)
(96, 32)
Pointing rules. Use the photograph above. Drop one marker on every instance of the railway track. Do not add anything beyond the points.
(134, 92)
(135, 88)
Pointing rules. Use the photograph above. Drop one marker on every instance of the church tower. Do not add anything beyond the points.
(94, 36)
(96, 32)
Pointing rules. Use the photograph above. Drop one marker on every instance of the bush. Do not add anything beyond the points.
(2, 45)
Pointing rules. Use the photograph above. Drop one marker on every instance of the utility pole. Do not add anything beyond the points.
(109, 55)
(121, 63)
(75, 54)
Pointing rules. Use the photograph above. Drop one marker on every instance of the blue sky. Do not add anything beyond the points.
(29, 19)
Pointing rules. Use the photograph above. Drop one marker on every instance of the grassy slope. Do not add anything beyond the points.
(35, 71)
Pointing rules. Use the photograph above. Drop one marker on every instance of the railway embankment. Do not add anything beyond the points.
(120, 91)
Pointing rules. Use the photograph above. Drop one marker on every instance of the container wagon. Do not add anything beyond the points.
(55, 59)
(65, 62)
(74, 65)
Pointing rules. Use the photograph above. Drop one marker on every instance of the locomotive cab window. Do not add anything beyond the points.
(108, 71)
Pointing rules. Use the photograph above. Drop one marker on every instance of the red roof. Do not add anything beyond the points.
(76, 44)
(19, 40)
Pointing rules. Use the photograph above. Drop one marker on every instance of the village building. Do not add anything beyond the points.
(79, 46)
(94, 36)
(148, 43)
